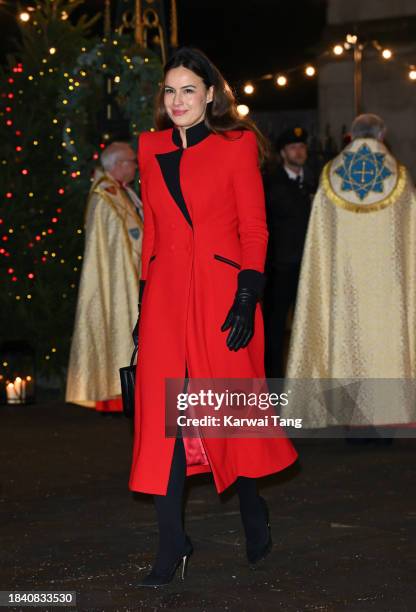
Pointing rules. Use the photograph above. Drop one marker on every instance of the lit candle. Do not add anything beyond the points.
(12, 397)
(16, 392)
(18, 387)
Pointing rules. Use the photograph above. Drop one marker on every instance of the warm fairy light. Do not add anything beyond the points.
(310, 71)
(387, 54)
(338, 50)
(412, 73)
(243, 110)
(24, 16)
(52, 50)
(248, 89)
(281, 80)
(351, 39)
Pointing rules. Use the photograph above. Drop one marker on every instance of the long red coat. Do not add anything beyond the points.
(199, 202)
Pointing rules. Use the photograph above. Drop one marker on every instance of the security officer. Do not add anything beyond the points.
(290, 187)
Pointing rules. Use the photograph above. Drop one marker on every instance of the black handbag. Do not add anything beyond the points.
(127, 379)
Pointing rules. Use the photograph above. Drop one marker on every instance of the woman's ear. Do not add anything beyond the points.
(210, 94)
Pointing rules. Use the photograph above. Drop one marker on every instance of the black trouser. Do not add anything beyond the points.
(279, 296)
(169, 511)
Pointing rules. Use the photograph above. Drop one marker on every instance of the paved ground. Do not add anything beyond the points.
(343, 520)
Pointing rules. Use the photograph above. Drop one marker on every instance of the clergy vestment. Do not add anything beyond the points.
(108, 294)
(354, 328)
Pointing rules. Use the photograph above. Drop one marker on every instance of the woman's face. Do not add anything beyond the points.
(186, 97)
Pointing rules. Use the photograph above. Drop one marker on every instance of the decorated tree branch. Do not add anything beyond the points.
(56, 93)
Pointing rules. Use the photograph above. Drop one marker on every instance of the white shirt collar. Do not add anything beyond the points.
(292, 175)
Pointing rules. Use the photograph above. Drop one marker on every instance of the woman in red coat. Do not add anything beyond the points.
(203, 255)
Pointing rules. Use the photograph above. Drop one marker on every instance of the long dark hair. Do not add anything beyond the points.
(221, 114)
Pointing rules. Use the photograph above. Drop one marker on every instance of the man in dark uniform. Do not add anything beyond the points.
(290, 188)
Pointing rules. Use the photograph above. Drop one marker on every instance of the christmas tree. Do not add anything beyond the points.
(56, 93)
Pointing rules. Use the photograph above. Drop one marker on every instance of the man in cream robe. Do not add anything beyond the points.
(354, 331)
(108, 291)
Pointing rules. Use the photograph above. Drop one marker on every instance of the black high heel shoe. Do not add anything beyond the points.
(255, 555)
(157, 578)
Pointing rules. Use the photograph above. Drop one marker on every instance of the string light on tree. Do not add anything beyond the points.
(281, 80)
(338, 50)
(412, 73)
(24, 16)
(249, 89)
(387, 54)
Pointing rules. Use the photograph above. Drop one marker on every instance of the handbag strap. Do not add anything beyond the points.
(133, 356)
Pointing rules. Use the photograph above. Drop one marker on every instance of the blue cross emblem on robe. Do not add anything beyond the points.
(363, 171)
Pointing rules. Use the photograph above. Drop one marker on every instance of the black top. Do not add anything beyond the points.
(194, 135)
(288, 205)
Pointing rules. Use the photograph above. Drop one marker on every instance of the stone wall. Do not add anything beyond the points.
(344, 11)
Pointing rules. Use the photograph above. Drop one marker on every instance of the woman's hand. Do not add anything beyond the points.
(241, 319)
(242, 313)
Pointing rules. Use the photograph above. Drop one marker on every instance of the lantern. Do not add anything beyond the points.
(17, 373)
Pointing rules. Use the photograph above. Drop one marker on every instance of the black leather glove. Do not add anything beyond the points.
(242, 313)
(135, 332)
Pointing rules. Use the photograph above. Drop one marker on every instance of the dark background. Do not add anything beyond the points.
(245, 38)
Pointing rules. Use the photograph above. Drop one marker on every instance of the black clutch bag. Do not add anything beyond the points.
(127, 379)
